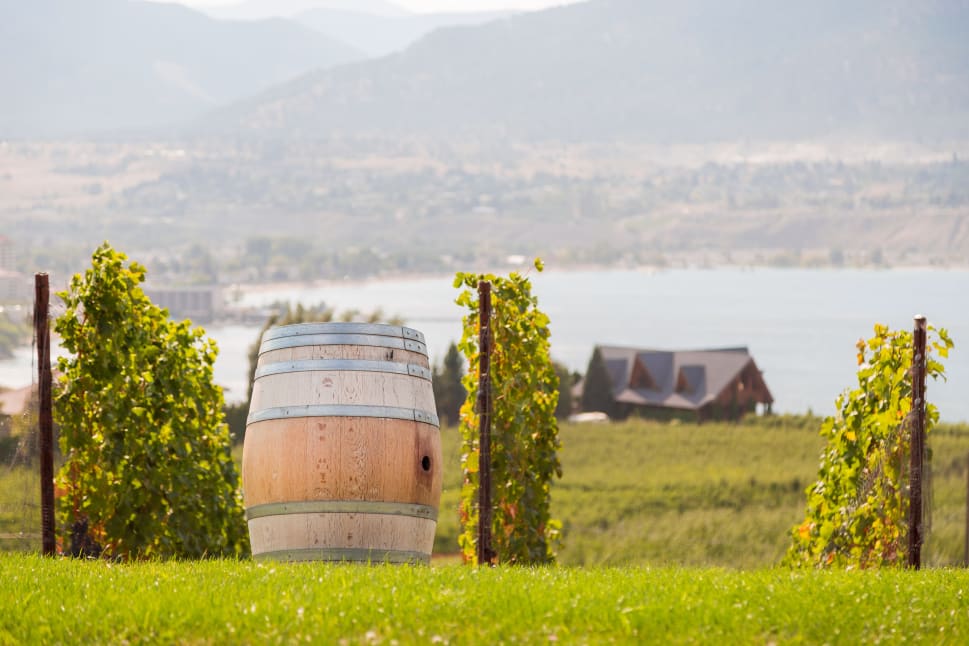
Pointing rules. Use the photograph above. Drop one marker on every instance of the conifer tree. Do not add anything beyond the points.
(449, 392)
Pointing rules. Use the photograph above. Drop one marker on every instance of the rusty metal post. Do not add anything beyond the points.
(485, 553)
(45, 417)
(915, 528)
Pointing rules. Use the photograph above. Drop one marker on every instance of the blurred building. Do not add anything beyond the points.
(696, 385)
(15, 402)
(201, 304)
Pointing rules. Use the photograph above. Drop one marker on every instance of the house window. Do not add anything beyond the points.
(682, 384)
(641, 379)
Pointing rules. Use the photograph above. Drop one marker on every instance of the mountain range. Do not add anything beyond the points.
(379, 35)
(70, 67)
(603, 70)
(376, 27)
(258, 9)
(690, 71)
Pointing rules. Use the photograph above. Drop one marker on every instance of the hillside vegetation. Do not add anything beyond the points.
(361, 208)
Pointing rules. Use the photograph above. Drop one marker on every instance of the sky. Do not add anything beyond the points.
(426, 5)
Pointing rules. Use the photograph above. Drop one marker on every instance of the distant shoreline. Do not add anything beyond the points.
(322, 283)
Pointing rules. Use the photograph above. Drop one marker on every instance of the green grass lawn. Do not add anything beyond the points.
(66, 601)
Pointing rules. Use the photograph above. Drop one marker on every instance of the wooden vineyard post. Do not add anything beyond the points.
(965, 556)
(915, 537)
(45, 417)
(485, 553)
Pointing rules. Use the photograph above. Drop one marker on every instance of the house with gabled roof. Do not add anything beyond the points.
(692, 384)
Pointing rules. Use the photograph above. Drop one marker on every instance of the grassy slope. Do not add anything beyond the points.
(243, 602)
(717, 494)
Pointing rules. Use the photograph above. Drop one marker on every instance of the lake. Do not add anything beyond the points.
(800, 325)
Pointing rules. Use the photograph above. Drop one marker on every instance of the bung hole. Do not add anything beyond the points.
(426, 463)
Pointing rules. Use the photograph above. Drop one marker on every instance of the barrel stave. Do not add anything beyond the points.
(335, 458)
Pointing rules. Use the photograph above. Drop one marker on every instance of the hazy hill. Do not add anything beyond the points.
(379, 35)
(68, 66)
(255, 9)
(694, 70)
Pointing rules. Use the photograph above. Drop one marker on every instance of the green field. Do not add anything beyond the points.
(19, 508)
(643, 493)
(724, 495)
(67, 601)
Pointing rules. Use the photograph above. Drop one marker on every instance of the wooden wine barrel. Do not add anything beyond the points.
(342, 455)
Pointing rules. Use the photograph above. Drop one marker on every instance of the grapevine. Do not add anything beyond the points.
(857, 510)
(524, 432)
(148, 470)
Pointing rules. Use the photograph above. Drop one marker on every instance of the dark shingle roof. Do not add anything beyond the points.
(684, 379)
